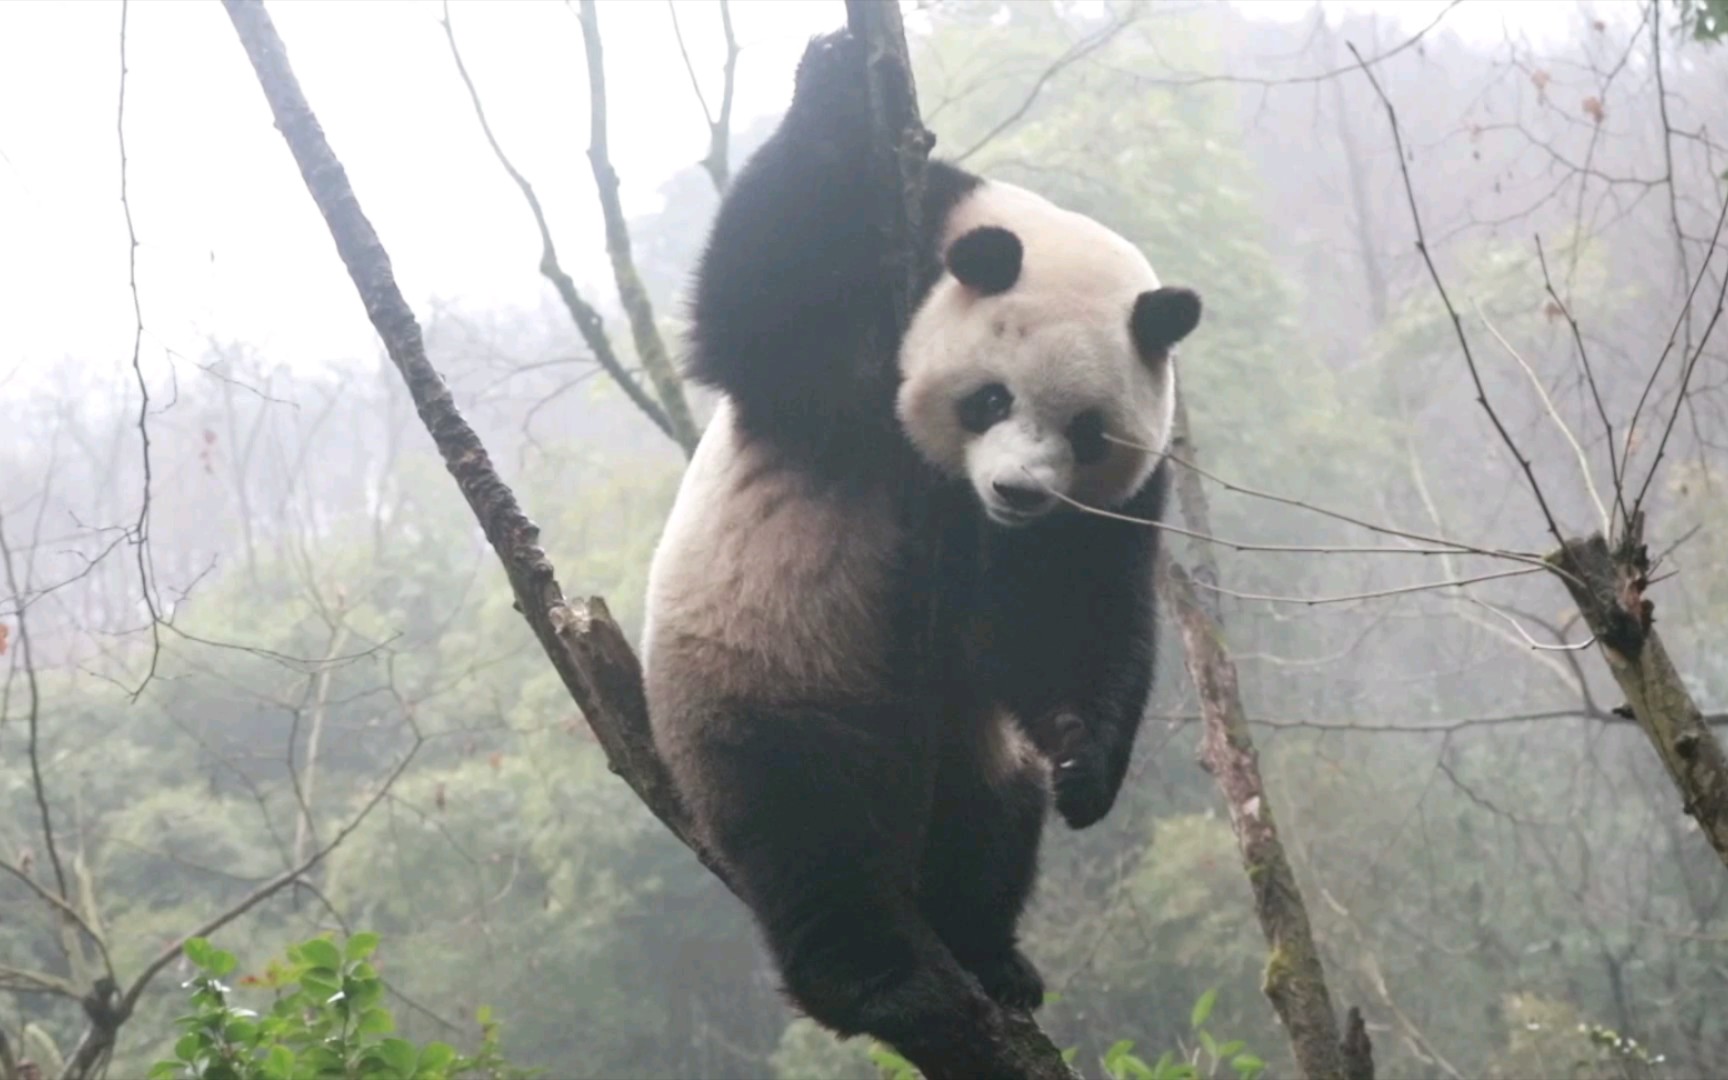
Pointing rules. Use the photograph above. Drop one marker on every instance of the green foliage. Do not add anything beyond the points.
(1203, 1061)
(326, 1020)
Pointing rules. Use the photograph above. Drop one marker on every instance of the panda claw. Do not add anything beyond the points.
(1012, 981)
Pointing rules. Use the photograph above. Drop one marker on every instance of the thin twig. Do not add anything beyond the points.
(141, 530)
(717, 162)
(588, 321)
(1446, 299)
(1079, 51)
(1692, 361)
(1589, 378)
(1401, 590)
(27, 657)
(1458, 546)
(1553, 414)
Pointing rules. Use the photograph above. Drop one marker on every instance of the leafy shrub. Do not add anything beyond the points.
(326, 1022)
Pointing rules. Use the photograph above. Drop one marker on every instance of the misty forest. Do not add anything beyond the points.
(311, 767)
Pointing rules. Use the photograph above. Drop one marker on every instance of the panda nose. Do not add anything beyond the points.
(1023, 499)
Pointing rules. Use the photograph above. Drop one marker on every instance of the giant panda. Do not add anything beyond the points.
(884, 830)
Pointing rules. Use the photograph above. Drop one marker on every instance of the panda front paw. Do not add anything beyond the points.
(830, 87)
(1080, 771)
(1011, 980)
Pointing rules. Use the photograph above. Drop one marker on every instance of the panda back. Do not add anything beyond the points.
(767, 585)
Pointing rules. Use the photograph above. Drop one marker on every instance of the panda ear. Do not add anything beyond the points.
(1163, 317)
(986, 259)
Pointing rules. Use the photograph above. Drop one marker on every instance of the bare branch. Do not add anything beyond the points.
(1446, 299)
(1295, 981)
(1456, 546)
(1375, 594)
(1077, 52)
(1553, 414)
(587, 320)
(650, 348)
(140, 530)
(717, 163)
(1614, 462)
(585, 645)
(27, 658)
(1691, 362)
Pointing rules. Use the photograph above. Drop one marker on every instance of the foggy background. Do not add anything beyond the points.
(217, 653)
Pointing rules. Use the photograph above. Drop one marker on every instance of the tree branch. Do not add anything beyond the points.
(585, 645)
(650, 348)
(717, 163)
(587, 320)
(1612, 598)
(1295, 982)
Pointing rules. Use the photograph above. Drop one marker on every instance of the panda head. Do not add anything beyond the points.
(1047, 335)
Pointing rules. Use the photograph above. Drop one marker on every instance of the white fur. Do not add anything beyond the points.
(763, 584)
(1059, 340)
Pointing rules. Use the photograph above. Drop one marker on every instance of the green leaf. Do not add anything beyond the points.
(376, 1021)
(221, 963)
(164, 1070)
(278, 1064)
(483, 1014)
(1207, 1042)
(321, 953)
(1203, 1008)
(360, 946)
(436, 1056)
(400, 1055)
(321, 983)
(186, 1049)
(1247, 1066)
(198, 951)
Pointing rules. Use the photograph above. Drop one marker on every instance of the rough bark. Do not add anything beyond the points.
(1609, 587)
(585, 645)
(1295, 982)
(580, 637)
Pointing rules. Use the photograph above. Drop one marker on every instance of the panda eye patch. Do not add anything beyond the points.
(1086, 435)
(984, 407)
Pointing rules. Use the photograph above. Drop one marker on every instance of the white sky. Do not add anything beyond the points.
(231, 244)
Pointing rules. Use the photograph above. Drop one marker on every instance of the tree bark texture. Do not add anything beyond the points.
(584, 643)
(1295, 981)
(1609, 586)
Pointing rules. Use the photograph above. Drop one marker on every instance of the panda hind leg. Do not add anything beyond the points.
(816, 820)
(979, 866)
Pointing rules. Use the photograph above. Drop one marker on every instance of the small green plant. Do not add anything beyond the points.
(326, 1022)
(1201, 1062)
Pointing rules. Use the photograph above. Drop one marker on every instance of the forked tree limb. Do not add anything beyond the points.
(584, 643)
(1609, 587)
(1295, 981)
(586, 646)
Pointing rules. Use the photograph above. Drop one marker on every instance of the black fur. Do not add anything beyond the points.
(1063, 631)
(886, 863)
(885, 873)
(792, 275)
(1162, 318)
(986, 259)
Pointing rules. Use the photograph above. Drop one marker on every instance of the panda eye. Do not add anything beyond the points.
(1086, 435)
(980, 410)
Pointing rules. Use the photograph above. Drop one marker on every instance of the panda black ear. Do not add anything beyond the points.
(986, 259)
(1162, 318)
